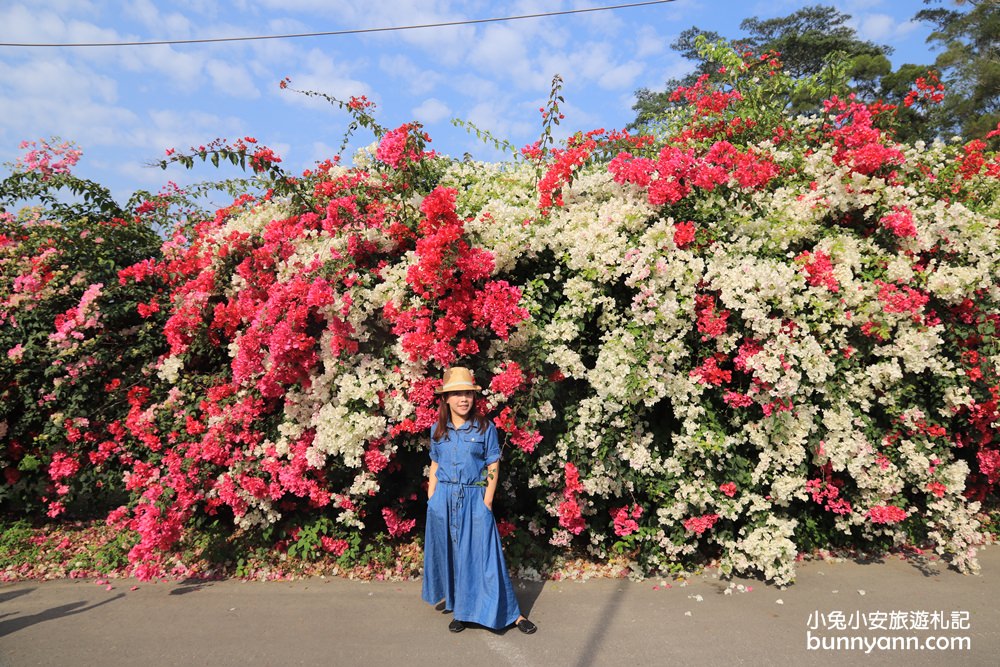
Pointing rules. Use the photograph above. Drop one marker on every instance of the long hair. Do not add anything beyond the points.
(440, 427)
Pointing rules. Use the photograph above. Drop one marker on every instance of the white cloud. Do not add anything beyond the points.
(876, 26)
(67, 6)
(685, 11)
(503, 120)
(525, 60)
(160, 25)
(54, 97)
(418, 81)
(624, 106)
(882, 27)
(231, 79)
(447, 45)
(476, 87)
(320, 151)
(88, 122)
(183, 69)
(591, 63)
(34, 26)
(431, 111)
(56, 79)
(325, 75)
(206, 8)
(620, 76)
(605, 23)
(649, 42)
(501, 50)
(906, 37)
(160, 129)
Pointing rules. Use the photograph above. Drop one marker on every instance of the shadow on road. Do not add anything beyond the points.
(190, 586)
(527, 594)
(11, 626)
(595, 637)
(10, 595)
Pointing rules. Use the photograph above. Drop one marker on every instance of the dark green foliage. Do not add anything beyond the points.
(970, 62)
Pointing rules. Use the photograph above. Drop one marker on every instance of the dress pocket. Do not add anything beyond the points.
(481, 499)
(432, 502)
(477, 446)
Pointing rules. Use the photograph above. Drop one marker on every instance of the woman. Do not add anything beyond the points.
(463, 560)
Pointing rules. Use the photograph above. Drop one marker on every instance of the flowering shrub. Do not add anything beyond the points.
(72, 343)
(752, 335)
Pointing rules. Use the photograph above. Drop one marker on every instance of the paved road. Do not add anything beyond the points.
(581, 624)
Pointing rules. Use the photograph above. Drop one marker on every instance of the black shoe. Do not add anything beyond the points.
(457, 626)
(526, 626)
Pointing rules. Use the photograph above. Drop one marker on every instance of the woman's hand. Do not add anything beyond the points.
(432, 480)
(492, 477)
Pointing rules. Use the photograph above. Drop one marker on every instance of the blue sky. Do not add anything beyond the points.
(124, 106)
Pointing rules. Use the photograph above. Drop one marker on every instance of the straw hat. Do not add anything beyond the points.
(458, 379)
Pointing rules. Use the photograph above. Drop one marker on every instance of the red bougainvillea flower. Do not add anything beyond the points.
(397, 527)
(625, 519)
(570, 516)
(523, 438)
(818, 269)
(508, 380)
(506, 528)
(335, 546)
(903, 299)
(710, 373)
(684, 233)
(886, 514)
(711, 322)
(700, 524)
(858, 143)
(900, 222)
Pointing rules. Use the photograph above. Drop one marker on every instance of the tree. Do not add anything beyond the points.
(649, 104)
(913, 122)
(970, 65)
(808, 37)
(806, 41)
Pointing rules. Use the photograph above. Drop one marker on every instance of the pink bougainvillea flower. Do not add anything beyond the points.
(819, 270)
(508, 380)
(710, 373)
(711, 322)
(700, 524)
(624, 519)
(684, 234)
(396, 526)
(337, 547)
(886, 514)
(900, 222)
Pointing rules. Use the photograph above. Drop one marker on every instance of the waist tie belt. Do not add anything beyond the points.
(457, 489)
(455, 500)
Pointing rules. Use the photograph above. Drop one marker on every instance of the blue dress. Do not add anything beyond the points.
(463, 559)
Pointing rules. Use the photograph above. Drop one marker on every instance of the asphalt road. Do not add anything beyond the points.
(580, 624)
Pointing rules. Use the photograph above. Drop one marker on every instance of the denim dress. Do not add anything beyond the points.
(463, 559)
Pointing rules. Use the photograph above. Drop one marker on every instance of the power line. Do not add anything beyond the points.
(333, 33)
